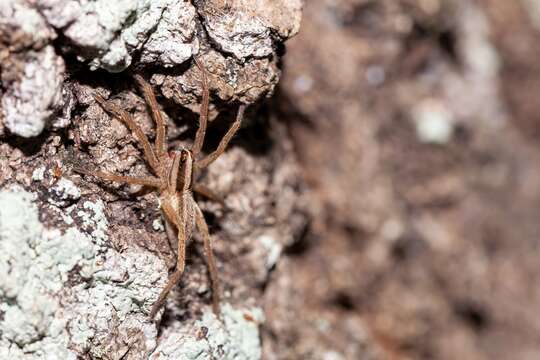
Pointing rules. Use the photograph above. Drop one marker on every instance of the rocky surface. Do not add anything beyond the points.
(86, 259)
(407, 131)
(37, 38)
(31, 73)
(69, 294)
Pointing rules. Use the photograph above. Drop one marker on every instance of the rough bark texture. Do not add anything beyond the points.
(416, 128)
(416, 124)
(84, 260)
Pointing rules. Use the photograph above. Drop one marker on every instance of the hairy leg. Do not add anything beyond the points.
(150, 98)
(135, 128)
(181, 224)
(146, 181)
(171, 234)
(203, 117)
(212, 269)
(225, 141)
(207, 193)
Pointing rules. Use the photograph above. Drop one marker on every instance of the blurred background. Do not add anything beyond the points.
(417, 125)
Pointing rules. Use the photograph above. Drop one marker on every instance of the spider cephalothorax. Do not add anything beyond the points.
(181, 170)
(173, 179)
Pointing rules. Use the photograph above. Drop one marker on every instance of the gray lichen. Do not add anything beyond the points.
(27, 303)
(31, 102)
(173, 40)
(32, 73)
(235, 337)
(110, 35)
(81, 282)
(72, 289)
(66, 292)
(46, 314)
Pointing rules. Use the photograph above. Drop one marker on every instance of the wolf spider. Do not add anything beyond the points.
(174, 173)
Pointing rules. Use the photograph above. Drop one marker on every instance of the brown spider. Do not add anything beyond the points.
(174, 173)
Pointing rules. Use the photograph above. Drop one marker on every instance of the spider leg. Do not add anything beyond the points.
(161, 129)
(206, 192)
(135, 128)
(180, 222)
(207, 160)
(146, 181)
(203, 117)
(212, 269)
(171, 234)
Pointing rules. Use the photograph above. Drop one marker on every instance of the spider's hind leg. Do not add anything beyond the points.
(212, 269)
(208, 193)
(179, 219)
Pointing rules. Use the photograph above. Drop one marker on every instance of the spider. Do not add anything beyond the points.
(174, 173)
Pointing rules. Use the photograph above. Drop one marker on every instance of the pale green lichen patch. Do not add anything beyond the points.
(272, 248)
(234, 337)
(46, 309)
(39, 173)
(26, 292)
(43, 310)
(63, 192)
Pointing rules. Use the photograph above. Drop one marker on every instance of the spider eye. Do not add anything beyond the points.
(184, 156)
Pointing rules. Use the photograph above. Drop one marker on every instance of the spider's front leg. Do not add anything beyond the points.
(160, 144)
(204, 162)
(146, 181)
(203, 115)
(127, 119)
